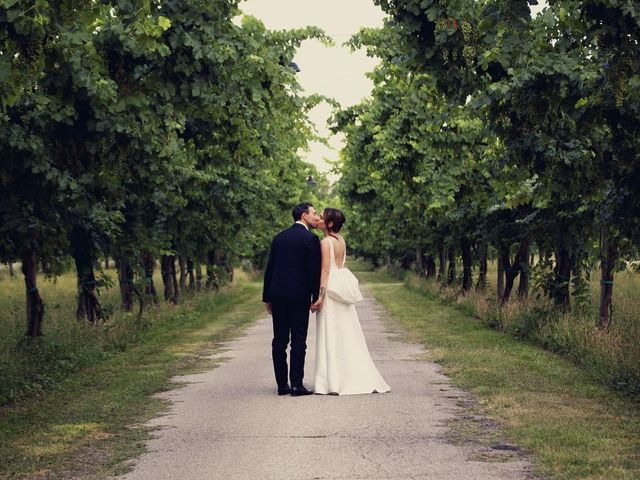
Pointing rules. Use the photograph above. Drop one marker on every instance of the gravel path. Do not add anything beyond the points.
(228, 423)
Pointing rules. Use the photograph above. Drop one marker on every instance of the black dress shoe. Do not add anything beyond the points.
(299, 391)
(284, 390)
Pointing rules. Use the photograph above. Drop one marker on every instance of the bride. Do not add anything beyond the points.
(343, 363)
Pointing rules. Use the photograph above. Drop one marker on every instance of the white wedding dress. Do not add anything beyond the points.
(343, 363)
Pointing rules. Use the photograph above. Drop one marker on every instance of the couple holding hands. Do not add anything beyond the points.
(299, 269)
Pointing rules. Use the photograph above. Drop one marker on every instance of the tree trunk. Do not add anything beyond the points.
(608, 258)
(165, 273)
(11, 272)
(149, 264)
(169, 279)
(182, 261)
(525, 255)
(482, 275)
(228, 265)
(500, 282)
(231, 273)
(443, 264)
(431, 266)
(192, 280)
(106, 263)
(418, 266)
(212, 277)
(125, 279)
(467, 265)
(510, 271)
(452, 265)
(82, 251)
(174, 279)
(198, 276)
(563, 276)
(513, 269)
(35, 304)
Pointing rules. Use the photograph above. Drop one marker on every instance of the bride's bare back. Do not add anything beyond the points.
(339, 248)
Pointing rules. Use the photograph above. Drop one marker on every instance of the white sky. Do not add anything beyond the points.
(334, 72)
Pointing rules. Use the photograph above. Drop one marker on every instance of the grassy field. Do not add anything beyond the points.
(67, 345)
(574, 427)
(612, 356)
(84, 421)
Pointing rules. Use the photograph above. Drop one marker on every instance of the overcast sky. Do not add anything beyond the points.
(334, 72)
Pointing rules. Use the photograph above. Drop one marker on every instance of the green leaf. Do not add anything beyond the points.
(164, 23)
(582, 102)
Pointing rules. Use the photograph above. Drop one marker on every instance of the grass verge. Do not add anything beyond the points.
(612, 356)
(83, 428)
(553, 409)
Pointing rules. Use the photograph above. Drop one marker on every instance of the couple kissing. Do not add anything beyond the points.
(298, 272)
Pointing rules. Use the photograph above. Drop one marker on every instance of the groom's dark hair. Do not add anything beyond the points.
(299, 209)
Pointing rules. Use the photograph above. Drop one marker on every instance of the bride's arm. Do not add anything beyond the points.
(324, 273)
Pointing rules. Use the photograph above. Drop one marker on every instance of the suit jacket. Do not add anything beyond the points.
(293, 269)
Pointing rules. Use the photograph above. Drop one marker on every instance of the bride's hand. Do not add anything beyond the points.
(317, 306)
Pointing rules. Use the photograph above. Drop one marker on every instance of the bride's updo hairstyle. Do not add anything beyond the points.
(334, 217)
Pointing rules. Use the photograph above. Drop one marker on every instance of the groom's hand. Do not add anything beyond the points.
(269, 308)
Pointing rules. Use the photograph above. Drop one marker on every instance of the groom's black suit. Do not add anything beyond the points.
(291, 283)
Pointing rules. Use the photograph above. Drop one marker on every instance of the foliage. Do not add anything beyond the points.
(470, 139)
(146, 129)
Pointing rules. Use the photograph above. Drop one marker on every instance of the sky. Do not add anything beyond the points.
(332, 71)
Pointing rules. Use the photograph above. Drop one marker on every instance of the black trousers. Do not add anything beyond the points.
(290, 319)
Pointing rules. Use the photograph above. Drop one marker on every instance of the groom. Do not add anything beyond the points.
(291, 283)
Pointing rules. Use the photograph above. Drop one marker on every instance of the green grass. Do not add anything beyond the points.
(574, 427)
(87, 425)
(28, 368)
(612, 356)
